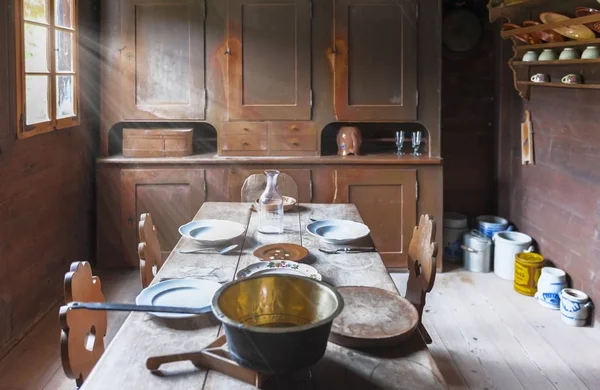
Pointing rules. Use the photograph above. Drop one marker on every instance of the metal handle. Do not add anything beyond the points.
(295, 143)
(245, 143)
(294, 128)
(208, 250)
(103, 306)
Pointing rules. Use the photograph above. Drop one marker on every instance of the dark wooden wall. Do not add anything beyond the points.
(46, 199)
(556, 201)
(467, 123)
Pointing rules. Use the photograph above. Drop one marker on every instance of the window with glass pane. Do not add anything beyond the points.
(47, 65)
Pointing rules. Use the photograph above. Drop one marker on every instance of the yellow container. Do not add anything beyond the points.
(528, 267)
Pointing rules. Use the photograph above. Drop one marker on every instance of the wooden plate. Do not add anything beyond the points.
(288, 203)
(373, 317)
(585, 11)
(523, 37)
(290, 252)
(580, 33)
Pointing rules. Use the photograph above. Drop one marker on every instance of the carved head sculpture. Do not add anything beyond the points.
(83, 331)
(349, 140)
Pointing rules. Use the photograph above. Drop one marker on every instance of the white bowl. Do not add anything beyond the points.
(338, 231)
(212, 231)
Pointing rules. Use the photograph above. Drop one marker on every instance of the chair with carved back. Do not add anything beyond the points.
(82, 331)
(422, 254)
(148, 250)
(255, 185)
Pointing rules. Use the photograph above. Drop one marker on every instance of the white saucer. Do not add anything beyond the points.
(179, 292)
(338, 231)
(212, 231)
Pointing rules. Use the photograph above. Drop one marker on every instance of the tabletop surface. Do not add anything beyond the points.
(123, 364)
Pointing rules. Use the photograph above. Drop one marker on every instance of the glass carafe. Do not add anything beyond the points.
(270, 206)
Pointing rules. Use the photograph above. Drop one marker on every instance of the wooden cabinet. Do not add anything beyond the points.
(375, 60)
(162, 59)
(172, 196)
(387, 202)
(269, 59)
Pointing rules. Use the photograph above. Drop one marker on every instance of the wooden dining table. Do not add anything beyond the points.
(123, 364)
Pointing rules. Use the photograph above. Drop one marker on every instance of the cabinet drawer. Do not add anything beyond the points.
(242, 142)
(293, 128)
(247, 128)
(293, 142)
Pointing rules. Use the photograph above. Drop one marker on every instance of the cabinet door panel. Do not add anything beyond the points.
(375, 76)
(386, 200)
(172, 196)
(163, 59)
(269, 59)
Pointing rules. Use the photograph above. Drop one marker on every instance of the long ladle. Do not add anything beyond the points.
(102, 306)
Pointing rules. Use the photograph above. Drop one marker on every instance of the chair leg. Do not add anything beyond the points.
(424, 334)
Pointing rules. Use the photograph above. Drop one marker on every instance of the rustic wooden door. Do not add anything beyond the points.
(162, 59)
(375, 60)
(387, 202)
(269, 59)
(171, 196)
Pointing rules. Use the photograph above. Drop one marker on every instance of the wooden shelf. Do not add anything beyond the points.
(553, 45)
(550, 26)
(557, 62)
(560, 85)
(508, 11)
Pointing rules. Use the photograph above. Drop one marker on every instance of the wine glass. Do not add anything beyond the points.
(399, 142)
(416, 142)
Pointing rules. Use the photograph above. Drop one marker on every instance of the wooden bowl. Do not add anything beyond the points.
(546, 35)
(288, 203)
(585, 11)
(523, 37)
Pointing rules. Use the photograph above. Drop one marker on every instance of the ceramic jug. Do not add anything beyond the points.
(349, 140)
(575, 307)
(549, 285)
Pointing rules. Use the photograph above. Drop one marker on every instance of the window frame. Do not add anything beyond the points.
(23, 129)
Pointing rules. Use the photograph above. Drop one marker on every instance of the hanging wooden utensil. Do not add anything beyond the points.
(527, 140)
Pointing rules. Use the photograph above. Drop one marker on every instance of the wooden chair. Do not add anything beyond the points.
(421, 267)
(82, 331)
(255, 185)
(148, 250)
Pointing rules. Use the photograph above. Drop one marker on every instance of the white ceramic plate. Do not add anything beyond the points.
(212, 231)
(338, 231)
(279, 267)
(179, 292)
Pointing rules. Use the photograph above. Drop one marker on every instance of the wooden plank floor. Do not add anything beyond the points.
(485, 336)
(34, 363)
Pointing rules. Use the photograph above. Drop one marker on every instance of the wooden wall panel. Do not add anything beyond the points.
(45, 197)
(556, 201)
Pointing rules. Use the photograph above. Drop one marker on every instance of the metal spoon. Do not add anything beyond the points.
(227, 249)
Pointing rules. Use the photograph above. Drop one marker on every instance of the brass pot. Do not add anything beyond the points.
(277, 323)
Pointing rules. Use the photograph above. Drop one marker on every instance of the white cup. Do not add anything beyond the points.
(549, 285)
(548, 55)
(575, 307)
(590, 52)
(530, 56)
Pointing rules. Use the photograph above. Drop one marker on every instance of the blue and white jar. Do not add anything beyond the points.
(575, 307)
(550, 284)
(455, 226)
(490, 225)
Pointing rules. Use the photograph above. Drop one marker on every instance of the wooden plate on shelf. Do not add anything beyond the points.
(580, 32)
(288, 203)
(523, 37)
(585, 11)
(284, 251)
(373, 317)
(546, 35)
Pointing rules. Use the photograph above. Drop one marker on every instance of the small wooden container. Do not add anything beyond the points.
(157, 142)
